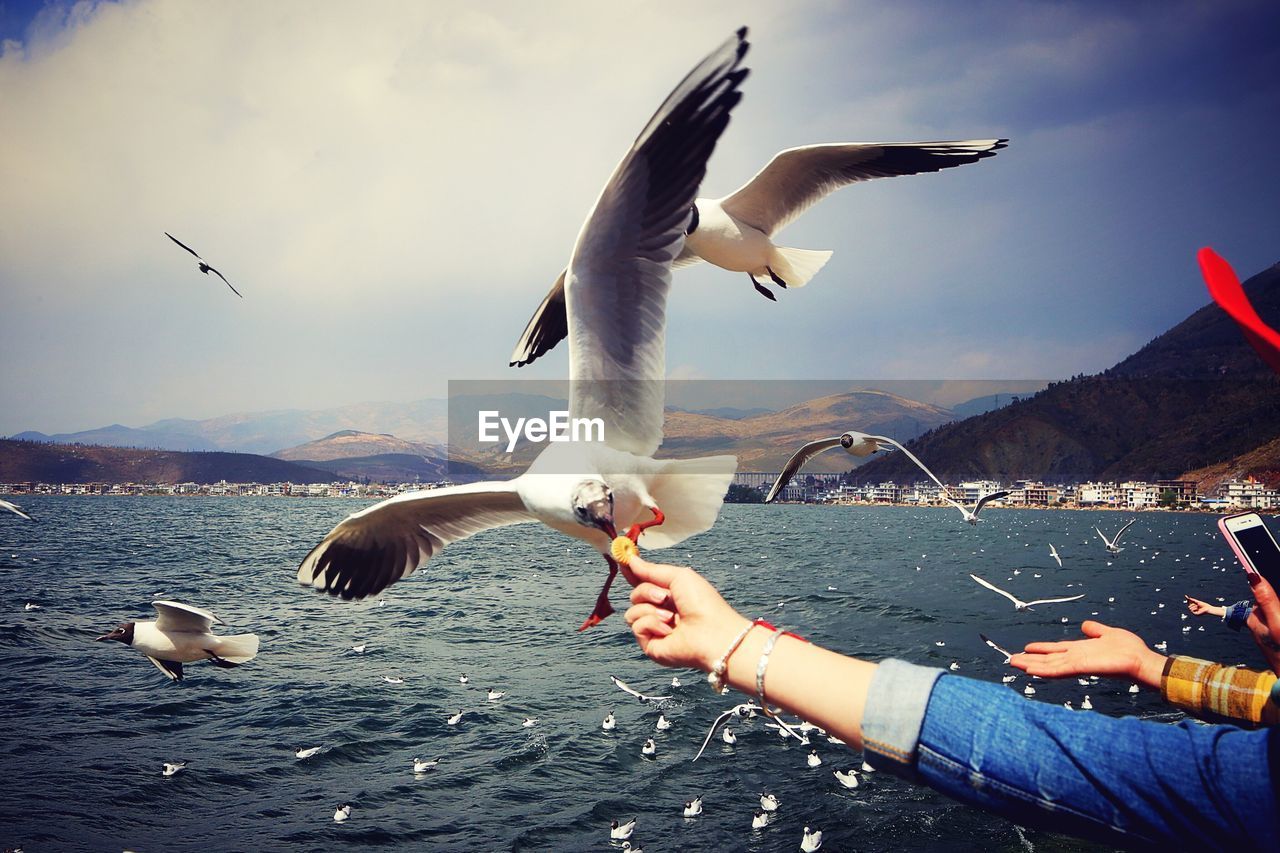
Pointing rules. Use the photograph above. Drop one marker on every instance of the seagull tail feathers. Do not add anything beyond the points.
(238, 648)
(690, 493)
(797, 266)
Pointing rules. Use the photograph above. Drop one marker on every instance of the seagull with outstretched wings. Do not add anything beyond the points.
(1019, 604)
(204, 266)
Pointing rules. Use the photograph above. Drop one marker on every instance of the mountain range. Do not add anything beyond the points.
(1195, 402)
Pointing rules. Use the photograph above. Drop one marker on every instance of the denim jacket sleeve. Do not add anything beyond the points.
(1123, 782)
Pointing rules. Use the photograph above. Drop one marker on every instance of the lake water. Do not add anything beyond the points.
(88, 726)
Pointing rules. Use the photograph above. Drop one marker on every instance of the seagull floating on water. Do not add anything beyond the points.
(14, 508)
(172, 769)
(626, 688)
(616, 288)
(31, 605)
(849, 778)
(529, 722)
(204, 267)
(1019, 604)
(675, 681)
(759, 820)
(854, 443)
(420, 766)
(495, 695)
(622, 831)
(609, 723)
(454, 720)
(812, 759)
(735, 232)
(693, 808)
(811, 840)
(728, 736)
(663, 723)
(649, 747)
(182, 634)
(392, 679)
(1085, 704)
(768, 802)
(360, 648)
(462, 679)
(304, 753)
(343, 812)
(1113, 545)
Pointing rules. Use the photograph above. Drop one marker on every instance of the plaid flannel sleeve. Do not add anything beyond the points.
(1221, 693)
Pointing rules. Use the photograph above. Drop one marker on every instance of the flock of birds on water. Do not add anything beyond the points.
(647, 222)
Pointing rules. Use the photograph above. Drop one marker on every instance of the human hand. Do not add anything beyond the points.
(1197, 606)
(1264, 621)
(1108, 651)
(678, 617)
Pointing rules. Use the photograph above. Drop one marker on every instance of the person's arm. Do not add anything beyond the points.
(1202, 608)
(1264, 621)
(821, 686)
(1119, 781)
(1207, 690)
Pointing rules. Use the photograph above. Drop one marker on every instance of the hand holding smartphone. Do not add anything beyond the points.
(1254, 545)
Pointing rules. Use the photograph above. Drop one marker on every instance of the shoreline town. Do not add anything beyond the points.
(749, 487)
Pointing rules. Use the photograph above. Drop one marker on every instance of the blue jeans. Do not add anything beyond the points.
(1125, 782)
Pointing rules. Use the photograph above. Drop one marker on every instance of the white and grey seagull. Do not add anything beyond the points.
(616, 289)
(1008, 655)
(204, 266)
(854, 443)
(1019, 604)
(971, 515)
(1053, 552)
(183, 633)
(736, 232)
(1113, 545)
(627, 688)
(14, 508)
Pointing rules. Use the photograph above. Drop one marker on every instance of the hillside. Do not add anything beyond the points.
(351, 444)
(25, 461)
(1196, 396)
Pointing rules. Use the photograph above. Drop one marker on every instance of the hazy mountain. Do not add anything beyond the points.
(118, 435)
(25, 461)
(350, 444)
(1194, 397)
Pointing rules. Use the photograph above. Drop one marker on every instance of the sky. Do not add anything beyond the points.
(393, 186)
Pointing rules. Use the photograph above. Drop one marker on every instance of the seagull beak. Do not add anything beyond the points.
(103, 637)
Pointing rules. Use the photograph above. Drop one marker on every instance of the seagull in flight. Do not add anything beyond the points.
(204, 267)
(182, 634)
(1113, 545)
(1008, 655)
(627, 688)
(971, 515)
(14, 508)
(1053, 552)
(854, 443)
(616, 289)
(1019, 604)
(736, 232)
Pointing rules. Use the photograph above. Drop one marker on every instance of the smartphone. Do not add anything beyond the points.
(1254, 545)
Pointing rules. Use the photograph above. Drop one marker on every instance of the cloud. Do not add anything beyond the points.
(393, 187)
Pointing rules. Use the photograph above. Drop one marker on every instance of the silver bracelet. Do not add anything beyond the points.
(762, 665)
(716, 676)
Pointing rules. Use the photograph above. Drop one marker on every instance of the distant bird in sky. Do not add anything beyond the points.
(14, 508)
(971, 515)
(1053, 552)
(735, 232)
(182, 634)
(617, 284)
(1019, 604)
(627, 688)
(204, 267)
(1113, 545)
(854, 443)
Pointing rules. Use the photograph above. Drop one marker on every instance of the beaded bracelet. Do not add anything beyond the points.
(762, 665)
(716, 676)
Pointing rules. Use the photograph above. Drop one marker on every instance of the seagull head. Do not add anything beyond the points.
(593, 506)
(123, 632)
(859, 444)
